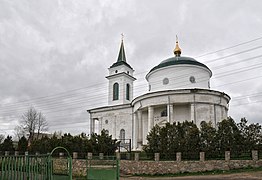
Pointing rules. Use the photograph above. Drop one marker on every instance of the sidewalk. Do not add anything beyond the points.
(235, 176)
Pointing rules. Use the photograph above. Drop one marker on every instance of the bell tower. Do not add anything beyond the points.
(120, 87)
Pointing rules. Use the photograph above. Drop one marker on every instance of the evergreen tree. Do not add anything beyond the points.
(22, 144)
(7, 145)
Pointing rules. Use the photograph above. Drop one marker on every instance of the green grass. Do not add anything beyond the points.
(215, 172)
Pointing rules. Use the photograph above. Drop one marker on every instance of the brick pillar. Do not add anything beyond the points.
(178, 156)
(101, 155)
(157, 156)
(202, 156)
(118, 155)
(6, 153)
(89, 155)
(227, 155)
(75, 155)
(136, 156)
(254, 155)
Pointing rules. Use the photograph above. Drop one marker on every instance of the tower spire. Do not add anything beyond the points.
(177, 50)
(121, 55)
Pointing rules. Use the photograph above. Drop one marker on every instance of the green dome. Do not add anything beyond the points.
(178, 60)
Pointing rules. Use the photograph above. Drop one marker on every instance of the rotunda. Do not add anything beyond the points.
(179, 90)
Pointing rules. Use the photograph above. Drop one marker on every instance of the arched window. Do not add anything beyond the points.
(164, 113)
(122, 134)
(115, 91)
(127, 92)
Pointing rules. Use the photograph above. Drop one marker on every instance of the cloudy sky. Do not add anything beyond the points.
(55, 54)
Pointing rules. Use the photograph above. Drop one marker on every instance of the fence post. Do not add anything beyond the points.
(36, 153)
(254, 155)
(202, 156)
(178, 156)
(27, 164)
(75, 155)
(89, 155)
(157, 155)
(227, 155)
(101, 155)
(16, 153)
(6, 153)
(118, 156)
(136, 156)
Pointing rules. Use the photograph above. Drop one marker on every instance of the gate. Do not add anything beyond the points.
(103, 168)
(25, 167)
(36, 167)
(61, 168)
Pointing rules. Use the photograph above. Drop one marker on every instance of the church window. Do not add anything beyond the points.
(122, 134)
(116, 91)
(165, 81)
(192, 79)
(106, 132)
(164, 113)
(106, 121)
(116, 71)
(127, 92)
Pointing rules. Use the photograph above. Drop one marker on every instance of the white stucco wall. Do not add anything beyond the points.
(179, 78)
(117, 119)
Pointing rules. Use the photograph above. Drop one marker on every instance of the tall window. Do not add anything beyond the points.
(122, 134)
(164, 113)
(127, 92)
(116, 91)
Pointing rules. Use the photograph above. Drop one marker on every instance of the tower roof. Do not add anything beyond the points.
(121, 60)
(121, 55)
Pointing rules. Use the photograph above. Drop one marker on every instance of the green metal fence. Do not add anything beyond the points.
(105, 168)
(25, 167)
(36, 167)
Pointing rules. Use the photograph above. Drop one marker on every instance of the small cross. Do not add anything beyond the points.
(176, 38)
(122, 36)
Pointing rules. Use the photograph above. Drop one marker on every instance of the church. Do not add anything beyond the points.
(178, 90)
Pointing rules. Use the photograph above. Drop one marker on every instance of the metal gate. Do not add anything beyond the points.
(61, 168)
(103, 168)
(25, 167)
(36, 167)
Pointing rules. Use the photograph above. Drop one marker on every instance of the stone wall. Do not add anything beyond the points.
(173, 167)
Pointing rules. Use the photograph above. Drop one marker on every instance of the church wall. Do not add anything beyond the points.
(179, 78)
(117, 120)
(182, 113)
(203, 113)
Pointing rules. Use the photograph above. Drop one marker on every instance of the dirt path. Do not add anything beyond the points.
(236, 176)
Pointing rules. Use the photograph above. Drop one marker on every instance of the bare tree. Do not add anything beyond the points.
(32, 123)
(41, 124)
(2, 137)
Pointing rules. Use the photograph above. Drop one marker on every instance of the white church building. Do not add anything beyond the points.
(179, 90)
